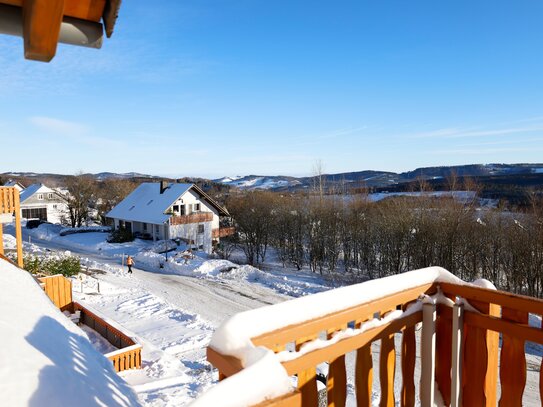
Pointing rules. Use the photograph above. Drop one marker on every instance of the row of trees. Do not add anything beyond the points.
(375, 239)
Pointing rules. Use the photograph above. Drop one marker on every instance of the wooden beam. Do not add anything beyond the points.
(90, 10)
(41, 28)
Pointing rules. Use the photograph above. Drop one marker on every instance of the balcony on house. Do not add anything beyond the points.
(223, 232)
(195, 217)
(470, 350)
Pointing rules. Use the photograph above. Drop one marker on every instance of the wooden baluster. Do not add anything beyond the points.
(443, 357)
(387, 367)
(337, 378)
(409, 354)
(307, 379)
(512, 362)
(363, 374)
(480, 365)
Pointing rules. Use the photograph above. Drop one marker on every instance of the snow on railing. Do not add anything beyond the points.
(258, 352)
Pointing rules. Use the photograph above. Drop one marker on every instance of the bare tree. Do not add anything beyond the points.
(82, 190)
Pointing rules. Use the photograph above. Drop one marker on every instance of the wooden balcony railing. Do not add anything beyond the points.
(459, 345)
(223, 232)
(9, 206)
(198, 217)
(128, 356)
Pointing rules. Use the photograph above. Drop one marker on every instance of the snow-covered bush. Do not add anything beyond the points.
(120, 235)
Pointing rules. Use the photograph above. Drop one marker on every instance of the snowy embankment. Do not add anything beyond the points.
(45, 357)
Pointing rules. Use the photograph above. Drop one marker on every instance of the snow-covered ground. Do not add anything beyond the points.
(174, 309)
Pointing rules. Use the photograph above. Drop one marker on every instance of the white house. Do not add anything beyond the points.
(171, 210)
(41, 202)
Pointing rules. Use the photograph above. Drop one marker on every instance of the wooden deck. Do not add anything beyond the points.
(460, 353)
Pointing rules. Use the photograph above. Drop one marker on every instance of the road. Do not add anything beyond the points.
(214, 300)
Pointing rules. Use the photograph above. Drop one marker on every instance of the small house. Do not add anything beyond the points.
(41, 202)
(161, 211)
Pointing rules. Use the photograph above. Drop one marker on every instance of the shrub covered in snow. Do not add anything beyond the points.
(120, 235)
(84, 229)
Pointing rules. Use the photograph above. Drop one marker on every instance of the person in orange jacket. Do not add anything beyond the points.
(129, 263)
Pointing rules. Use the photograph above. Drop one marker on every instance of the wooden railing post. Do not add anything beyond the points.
(480, 366)
(337, 378)
(18, 231)
(307, 380)
(1, 239)
(512, 362)
(427, 354)
(456, 354)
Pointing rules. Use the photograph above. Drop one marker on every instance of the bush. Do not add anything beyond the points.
(65, 265)
(120, 235)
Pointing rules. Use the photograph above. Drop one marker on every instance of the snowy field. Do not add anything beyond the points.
(173, 310)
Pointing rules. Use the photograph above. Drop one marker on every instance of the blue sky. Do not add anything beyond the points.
(213, 88)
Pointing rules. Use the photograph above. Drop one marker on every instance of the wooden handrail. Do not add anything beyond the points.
(497, 312)
(197, 217)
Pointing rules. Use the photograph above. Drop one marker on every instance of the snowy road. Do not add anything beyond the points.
(213, 300)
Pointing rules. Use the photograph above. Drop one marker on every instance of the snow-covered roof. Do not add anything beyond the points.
(32, 189)
(16, 184)
(46, 359)
(147, 204)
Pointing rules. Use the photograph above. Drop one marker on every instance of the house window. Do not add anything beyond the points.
(196, 207)
(40, 197)
(176, 208)
(200, 229)
(145, 226)
(49, 196)
(182, 213)
(55, 206)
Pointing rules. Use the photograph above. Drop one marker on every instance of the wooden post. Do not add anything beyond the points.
(1, 240)
(457, 336)
(41, 28)
(18, 231)
(427, 354)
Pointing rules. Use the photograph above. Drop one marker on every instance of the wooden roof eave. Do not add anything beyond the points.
(43, 24)
(221, 209)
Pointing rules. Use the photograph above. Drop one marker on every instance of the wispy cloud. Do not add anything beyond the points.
(465, 133)
(483, 151)
(75, 132)
(57, 126)
(343, 132)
